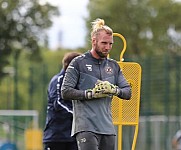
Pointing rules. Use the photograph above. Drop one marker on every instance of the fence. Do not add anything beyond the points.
(161, 85)
(14, 125)
(160, 95)
(155, 133)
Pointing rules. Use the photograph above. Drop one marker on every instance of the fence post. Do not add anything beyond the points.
(31, 87)
(167, 97)
(16, 56)
(177, 88)
(44, 95)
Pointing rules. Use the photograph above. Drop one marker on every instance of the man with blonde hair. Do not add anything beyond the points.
(92, 80)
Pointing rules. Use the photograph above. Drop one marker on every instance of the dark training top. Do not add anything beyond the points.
(92, 115)
(59, 113)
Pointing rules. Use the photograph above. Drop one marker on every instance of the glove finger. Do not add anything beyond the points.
(98, 81)
(99, 86)
(105, 92)
(101, 91)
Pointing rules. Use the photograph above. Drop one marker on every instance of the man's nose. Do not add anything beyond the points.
(108, 46)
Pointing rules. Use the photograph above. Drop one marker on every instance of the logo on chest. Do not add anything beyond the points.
(89, 67)
(108, 70)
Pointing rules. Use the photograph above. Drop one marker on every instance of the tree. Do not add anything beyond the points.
(149, 26)
(22, 27)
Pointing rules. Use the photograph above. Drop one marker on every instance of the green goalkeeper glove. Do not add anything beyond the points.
(95, 93)
(107, 87)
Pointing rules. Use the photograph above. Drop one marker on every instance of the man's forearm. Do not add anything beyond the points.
(73, 94)
(125, 93)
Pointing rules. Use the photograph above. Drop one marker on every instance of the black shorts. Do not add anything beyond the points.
(93, 141)
(60, 146)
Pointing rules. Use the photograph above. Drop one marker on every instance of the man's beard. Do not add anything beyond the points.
(101, 54)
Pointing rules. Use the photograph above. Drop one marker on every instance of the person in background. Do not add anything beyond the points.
(91, 81)
(176, 141)
(57, 131)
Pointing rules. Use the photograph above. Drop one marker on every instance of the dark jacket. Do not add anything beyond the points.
(59, 113)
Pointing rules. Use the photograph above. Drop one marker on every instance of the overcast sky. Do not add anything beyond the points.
(69, 29)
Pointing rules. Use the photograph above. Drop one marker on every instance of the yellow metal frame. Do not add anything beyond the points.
(126, 112)
(33, 139)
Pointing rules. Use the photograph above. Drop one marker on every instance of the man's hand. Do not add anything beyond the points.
(95, 93)
(107, 88)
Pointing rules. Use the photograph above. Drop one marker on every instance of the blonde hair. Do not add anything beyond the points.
(99, 25)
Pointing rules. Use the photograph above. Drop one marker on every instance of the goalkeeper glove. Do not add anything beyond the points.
(95, 93)
(107, 87)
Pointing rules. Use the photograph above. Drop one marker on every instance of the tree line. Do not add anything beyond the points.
(150, 27)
